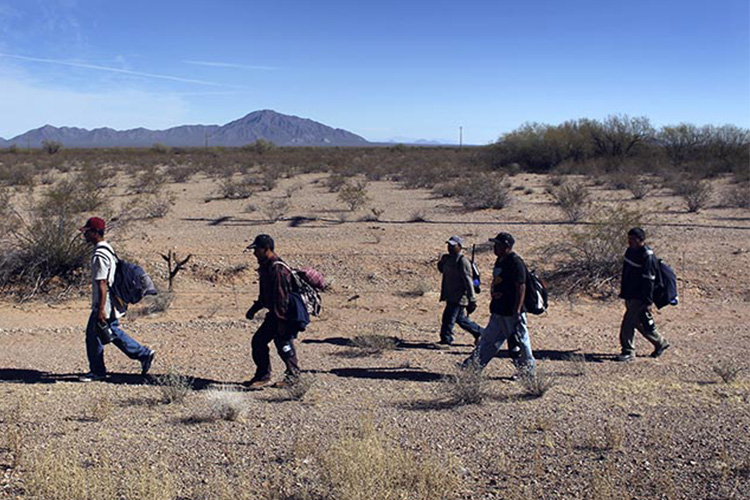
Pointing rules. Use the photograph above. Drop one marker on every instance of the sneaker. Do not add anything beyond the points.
(146, 362)
(625, 358)
(660, 350)
(92, 377)
(257, 383)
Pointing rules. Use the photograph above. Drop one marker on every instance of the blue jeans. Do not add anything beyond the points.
(456, 313)
(95, 349)
(494, 335)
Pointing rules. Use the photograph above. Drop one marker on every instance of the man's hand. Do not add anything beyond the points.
(250, 314)
(471, 307)
(101, 317)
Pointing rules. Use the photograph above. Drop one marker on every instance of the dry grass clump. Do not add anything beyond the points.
(173, 386)
(149, 181)
(537, 383)
(367, 465)
(372, 344)
(275, 210)
(728, 370)
(736, 196)
(237, 189)
(466, 386)
(573, 199)
(153, 304)
(225, 403)
(299, 387)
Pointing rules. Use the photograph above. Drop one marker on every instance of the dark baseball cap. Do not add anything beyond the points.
(261, 241)
(93, 223)
(504, 238)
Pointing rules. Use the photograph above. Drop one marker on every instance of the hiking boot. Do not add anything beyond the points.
(285, 382)
(146, 362)
(257, 383)
(92, 377)
(660, 350)
(445, 342)
(625, 358)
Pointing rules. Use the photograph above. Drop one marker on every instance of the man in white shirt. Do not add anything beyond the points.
(103, 315)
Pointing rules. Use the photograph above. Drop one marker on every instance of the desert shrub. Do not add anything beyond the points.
(485, 191)
(368, 465)
(536, 384)
(573, 200)
(269, 177)
(728, 370)
(153, 304)
(591, 256)
(237, 189)
(225, 403)
(72, 197)
(51, 147)
(418, 216)
(696, 194)
(150, 181)
(46, 248)
(19, 174)
(173, 386)
(260, 146)
(335, 182)
(736, 196)
(354, 195)
(275, 210)
(160, 148)
(181, 173)
(467, 386)
(639, 188)
(156, 206)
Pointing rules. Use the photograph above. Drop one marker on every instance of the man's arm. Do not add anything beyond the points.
(468, 279)
(103, 290)
(520, 296)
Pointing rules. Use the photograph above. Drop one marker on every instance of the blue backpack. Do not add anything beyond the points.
(131, 282)
(665, 290)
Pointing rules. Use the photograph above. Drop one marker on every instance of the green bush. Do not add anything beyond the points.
(485, 191)
(573, 200)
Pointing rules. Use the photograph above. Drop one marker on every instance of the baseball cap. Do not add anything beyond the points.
(455, 240)
(262, 241)
(504, 238)
(93, 223)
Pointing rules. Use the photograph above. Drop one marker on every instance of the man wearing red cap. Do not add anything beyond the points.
(105, 316)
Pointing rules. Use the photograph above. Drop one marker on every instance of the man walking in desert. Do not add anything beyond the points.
(275, 286)
(457, 291)
(507, 316)
(639, 275)
(104, 315)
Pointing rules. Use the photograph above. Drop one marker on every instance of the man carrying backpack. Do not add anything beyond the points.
(104, 316)
(507, 316)
(275, 285)
(457, 291)
(639, 276)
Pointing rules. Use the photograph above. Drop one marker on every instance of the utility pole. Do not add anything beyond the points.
(206, 139)
(460, 137)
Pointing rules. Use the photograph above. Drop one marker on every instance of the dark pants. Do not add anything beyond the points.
(95, 349)
(637, 317)
(456, 313)
(283, 338)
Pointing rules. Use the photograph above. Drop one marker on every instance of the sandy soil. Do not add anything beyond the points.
(665, 428)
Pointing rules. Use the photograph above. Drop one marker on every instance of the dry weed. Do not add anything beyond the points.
(537, 383)
(466, 386)
(728, 370)
(299, 387)
(173, 386)
(225, 403)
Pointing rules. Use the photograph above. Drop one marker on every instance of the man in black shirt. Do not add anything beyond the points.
(639, 275)
(507, 316)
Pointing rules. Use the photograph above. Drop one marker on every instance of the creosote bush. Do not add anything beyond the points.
(590, 258)
(466, 386)
(354, 194)
(173, 386)
(485, 190)
(573, 200)
(696, 194)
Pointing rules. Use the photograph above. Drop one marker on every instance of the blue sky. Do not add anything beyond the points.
(413, 69)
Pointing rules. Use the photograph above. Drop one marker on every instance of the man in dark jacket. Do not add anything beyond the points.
(639, 275)
(275, 286)
(457, 291)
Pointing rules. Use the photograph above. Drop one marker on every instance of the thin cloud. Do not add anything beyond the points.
(119, 70)
(216, 64)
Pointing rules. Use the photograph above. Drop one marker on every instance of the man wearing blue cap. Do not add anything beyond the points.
(457, 291)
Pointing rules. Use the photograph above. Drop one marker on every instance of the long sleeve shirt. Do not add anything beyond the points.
(457, 286)
(275, 286)
(639, 272)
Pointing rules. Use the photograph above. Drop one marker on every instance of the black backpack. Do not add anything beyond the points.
(535, 301)
(665, 289)
(131, 282)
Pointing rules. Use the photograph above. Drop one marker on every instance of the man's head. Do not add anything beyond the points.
(93, 230)
(636, 238)
(262, 247)
(503, 243)
(455, 244)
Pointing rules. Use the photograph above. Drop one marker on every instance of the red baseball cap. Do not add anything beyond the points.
(93, 223)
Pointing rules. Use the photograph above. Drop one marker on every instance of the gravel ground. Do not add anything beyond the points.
(666, 428)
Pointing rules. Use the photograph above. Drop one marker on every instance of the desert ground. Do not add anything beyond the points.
(655, 428)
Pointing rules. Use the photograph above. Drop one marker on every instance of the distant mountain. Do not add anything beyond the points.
(282, 130)
(420, 142)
